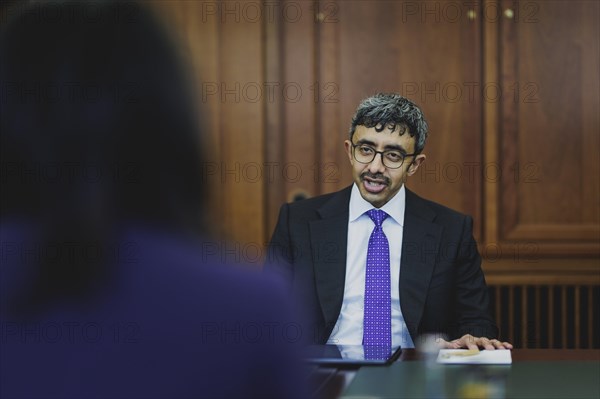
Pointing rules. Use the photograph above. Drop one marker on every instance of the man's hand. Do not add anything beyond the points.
(471, 342)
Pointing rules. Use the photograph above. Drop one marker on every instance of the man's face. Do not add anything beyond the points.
(377, 183)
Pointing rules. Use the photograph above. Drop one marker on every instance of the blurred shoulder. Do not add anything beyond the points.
(217, 266)
(332, 202)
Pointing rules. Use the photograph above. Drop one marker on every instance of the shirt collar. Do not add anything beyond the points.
(394, 207)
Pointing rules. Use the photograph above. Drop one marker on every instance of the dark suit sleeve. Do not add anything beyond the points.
(472, 300)
(280, 254)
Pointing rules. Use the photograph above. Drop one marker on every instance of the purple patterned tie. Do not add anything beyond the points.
(377, 336)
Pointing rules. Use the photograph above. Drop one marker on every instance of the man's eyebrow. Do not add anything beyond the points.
(396, 147)
(365, 141)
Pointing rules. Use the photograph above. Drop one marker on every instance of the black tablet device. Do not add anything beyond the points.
(351, 355)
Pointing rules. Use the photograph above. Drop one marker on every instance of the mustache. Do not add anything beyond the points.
(376, 176)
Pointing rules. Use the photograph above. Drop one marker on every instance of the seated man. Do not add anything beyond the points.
(374, 263)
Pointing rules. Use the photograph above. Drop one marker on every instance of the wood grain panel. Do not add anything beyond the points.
(550, 160)
(242, 134)
(319, 59)
(334, 170)
(273, 109)
(491, 126)
(435, 61)
(301, 148)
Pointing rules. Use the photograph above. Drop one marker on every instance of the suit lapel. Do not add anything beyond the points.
(420, 245)
(329, 236)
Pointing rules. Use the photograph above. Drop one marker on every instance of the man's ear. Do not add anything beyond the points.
(412, 169)
(348, 147)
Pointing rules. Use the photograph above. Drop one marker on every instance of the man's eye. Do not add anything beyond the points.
(366, 150)
(393, 156)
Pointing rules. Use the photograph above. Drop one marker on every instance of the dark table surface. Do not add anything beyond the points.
(534, 373)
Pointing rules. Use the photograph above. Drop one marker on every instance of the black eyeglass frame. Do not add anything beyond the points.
(375, 152)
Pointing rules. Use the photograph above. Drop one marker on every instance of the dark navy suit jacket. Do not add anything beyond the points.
(442, 287)
(170, 323)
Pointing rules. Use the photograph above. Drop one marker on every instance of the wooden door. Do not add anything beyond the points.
(548, 137)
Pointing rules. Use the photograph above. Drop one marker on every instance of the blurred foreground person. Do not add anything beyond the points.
(104, 288)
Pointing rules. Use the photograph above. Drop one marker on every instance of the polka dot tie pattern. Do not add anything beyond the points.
(377, 335)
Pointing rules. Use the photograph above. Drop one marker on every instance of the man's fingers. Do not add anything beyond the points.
(474, 343)
(486, 344)
(497, 344)
(471, 342)
(501, 345)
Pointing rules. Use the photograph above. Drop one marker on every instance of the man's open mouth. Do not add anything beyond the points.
(374, 185)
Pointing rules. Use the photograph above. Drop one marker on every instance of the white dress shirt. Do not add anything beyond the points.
(348, 329)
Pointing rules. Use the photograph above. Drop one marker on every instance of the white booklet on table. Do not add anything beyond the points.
(467, 356)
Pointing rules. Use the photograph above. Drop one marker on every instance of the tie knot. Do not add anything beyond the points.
(377, 216)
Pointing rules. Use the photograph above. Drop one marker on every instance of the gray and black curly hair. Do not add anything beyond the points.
(391, 111)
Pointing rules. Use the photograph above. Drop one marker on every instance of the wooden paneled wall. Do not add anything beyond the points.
(549, 131)
(511, 91)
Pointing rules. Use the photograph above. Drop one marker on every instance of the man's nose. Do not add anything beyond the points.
(376, 165)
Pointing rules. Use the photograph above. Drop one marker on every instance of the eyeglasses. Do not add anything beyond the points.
(392, 159)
